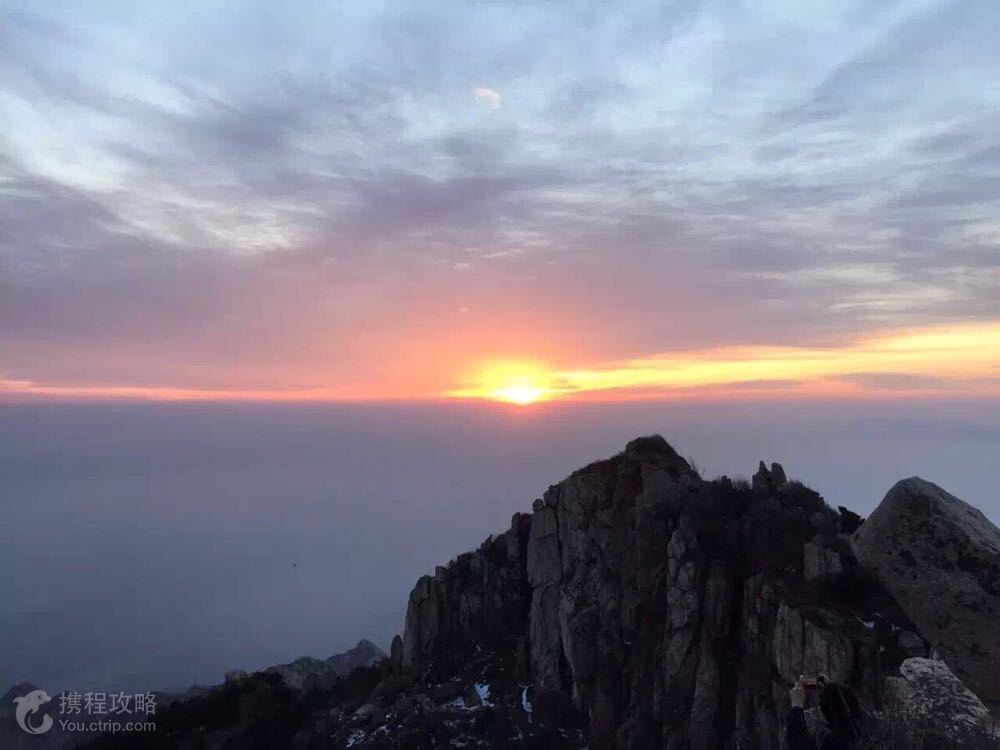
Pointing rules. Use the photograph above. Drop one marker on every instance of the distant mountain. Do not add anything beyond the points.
(642, 606)
(303, 675)
(307, 673)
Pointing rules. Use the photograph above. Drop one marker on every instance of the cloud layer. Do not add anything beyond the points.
(371, 201)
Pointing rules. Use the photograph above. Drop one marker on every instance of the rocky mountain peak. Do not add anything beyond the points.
(639, 605)
(664, 610)
(653, 450)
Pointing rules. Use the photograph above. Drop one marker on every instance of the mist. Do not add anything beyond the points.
(153, 546)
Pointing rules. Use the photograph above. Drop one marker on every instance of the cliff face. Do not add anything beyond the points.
(667, 610)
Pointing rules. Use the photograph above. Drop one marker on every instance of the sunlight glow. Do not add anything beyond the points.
(959, 360)
(519, 394)
(963, 359)
(520, 383)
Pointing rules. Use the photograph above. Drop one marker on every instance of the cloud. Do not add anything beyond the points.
(486, 96)
(293, 205)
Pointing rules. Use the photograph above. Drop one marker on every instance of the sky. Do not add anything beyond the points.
(511, 200)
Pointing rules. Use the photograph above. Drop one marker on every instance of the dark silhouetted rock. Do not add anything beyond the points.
(307, 673)
(767, 482)
(365, 654)
(396, 653)
(668, 610)
(639, 606)
(849, 520)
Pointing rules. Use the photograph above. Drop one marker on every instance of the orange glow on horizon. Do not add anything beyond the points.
(961, 360)
(919, 362)
(520, 383)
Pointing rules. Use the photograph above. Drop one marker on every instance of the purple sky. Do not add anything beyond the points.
(373, 199)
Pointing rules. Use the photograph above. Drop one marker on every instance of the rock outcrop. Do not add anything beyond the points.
(940, 558)
(640, 606)
(767, 482)
(665, 610)
(930, 706)
(481, 598)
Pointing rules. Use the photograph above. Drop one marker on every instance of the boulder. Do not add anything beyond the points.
(939, 557)
(927, 701)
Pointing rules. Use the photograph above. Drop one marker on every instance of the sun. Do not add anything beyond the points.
(509, 382)
(522, 395)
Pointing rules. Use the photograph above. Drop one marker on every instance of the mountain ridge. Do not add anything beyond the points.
(639, 605)
(670, 611)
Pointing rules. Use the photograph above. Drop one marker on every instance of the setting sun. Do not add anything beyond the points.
(520, 383)
(961, 357)
(519, 394)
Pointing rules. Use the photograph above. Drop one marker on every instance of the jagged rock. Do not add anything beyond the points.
(805, 647)
(671, 611)
(422, 620)
(654, 451)
(927, 701)
(849, 520)
(482, 597)
(940, 559)
(820, 562)
(778, 478)
(761, 481)
(766, 482)
(638, 606)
